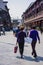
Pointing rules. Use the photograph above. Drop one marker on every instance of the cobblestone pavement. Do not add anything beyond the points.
(8, 57)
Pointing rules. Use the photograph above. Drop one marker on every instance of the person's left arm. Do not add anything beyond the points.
(38, 37)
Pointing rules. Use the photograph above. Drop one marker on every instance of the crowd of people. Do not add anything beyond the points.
(3, 30)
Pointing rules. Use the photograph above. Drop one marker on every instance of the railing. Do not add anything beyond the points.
(40, 14)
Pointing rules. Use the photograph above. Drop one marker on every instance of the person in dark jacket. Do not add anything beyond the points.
(34, 35)
(20, 39)
(18, 29)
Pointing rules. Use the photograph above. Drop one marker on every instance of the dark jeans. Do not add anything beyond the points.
(21, 48)
(33, 44)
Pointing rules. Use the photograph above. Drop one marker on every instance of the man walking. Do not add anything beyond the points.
(34, 35)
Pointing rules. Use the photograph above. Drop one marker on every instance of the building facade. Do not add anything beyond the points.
(5, 20)
(34, 14)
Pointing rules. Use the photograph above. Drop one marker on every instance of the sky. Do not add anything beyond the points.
(17, 7)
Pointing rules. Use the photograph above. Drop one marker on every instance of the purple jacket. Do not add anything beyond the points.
(34, 35)
(20, 37)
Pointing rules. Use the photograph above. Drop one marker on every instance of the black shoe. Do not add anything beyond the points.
(21, 56)
(35, 56)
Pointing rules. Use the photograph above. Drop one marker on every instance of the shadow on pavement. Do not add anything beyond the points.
(38, 59)
(28, 58)
(18, 57)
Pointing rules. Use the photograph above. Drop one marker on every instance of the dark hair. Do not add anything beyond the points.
(33, 27)
(22, 29)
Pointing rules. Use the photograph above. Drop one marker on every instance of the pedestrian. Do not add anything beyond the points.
(34, 35)
(17, 30)
(20, 39)
(0, 31)
(41, 30)
(3, 30)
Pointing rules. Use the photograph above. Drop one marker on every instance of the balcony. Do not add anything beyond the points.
(32, 18)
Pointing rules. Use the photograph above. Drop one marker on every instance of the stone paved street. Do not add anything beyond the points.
(8, 57)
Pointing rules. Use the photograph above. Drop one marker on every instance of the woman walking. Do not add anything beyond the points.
(20, 39)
